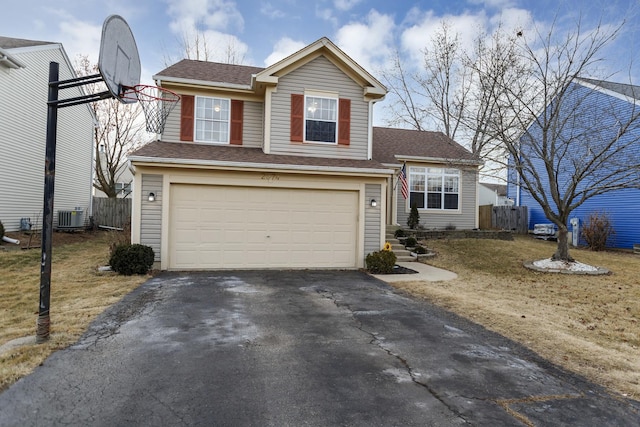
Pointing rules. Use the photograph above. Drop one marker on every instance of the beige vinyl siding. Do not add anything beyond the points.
(252, 124)
(151, 213)
(372, 218)
(23, 112)
(319, 75)
(462, 219)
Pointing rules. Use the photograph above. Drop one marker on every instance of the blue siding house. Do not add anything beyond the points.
(595, 113)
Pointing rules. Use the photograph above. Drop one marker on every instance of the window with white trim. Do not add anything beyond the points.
(321, 119)
(434, 188)
(212, 116)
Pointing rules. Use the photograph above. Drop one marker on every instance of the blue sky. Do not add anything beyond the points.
(263, 31)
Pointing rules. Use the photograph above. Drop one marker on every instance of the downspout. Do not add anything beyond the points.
(370, 132)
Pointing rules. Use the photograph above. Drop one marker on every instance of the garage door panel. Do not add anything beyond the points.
(216, 227)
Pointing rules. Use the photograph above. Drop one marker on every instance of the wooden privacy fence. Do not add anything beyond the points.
(512, 218)
(111, 212)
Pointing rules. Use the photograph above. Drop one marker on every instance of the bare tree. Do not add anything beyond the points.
(567, 143)
(200, 46)
(119, 130)
(456, 91)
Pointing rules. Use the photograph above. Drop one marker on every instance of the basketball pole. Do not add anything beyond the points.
(44, 322)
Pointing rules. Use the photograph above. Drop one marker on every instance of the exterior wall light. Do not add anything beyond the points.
(373, 203)
(152, 197)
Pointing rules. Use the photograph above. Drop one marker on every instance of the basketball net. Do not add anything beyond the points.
(156, 102)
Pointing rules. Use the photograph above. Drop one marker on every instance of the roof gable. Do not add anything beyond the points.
(325, 47)
(393, 146)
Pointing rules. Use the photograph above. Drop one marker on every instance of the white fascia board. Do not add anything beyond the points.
(160, 78)
(609, 92)
(264, 166)
(438, 160)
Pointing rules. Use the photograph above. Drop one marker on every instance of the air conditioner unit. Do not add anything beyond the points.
(70, 219)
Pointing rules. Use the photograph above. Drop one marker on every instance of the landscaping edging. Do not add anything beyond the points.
(599, 272)
(462, 234)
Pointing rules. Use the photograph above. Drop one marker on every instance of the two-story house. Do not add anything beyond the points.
(24, 66)
(266, 167)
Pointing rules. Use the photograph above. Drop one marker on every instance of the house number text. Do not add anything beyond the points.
(270, 177)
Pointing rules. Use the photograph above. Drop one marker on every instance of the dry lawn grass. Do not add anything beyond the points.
(78, 294)
(587, 324)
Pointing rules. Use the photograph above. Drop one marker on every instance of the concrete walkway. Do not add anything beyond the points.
(425, 273)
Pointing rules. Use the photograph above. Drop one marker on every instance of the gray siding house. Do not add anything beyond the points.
(267, 167)
(24, 67)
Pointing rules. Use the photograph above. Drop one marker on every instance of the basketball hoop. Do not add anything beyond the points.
(156, 102)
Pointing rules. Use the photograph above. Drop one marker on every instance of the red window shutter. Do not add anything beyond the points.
(297, 117)
(344, 121)
(186, 117)
(237, 108)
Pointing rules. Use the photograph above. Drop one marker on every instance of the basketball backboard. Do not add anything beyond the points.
(119, 61)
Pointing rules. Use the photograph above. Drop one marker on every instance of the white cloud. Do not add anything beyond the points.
(216, 15)
(80, 37)
(270, 11)
(327, 15)
(283, 48)
(419, 35)
(495, 4)
(345, 5)
(369, 43)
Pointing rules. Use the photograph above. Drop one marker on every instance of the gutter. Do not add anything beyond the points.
(402, 158)
(266, 166)
(10, 61)
(159, 78)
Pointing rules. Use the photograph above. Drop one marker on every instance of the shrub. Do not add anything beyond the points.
(420, 250)
(414, 216)
(118, 238)
(399, 233)
(132, 259)
(450, 227)
(410, 242)
(596, 230)
(381, 262)
(1, 230)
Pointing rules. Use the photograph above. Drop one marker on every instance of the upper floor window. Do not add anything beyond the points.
(321, 119)
(212, 116)
(434, 188)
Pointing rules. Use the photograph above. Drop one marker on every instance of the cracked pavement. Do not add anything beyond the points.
(293, 348)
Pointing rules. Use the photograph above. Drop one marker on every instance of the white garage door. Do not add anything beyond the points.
(214, 227)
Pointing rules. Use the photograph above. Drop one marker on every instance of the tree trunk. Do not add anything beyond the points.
(562, 251)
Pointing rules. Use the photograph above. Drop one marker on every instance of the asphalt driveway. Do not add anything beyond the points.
(295, 348)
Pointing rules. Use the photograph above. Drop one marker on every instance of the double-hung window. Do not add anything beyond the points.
(212, 118)
(321, 119)
(434, 188)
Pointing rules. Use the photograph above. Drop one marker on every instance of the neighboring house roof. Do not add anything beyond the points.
(205, 71)
(500, 189)
(11, 43)
(393, 146)
(632, 91)
(221, 155)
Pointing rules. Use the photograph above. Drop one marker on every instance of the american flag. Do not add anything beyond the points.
(404, 185)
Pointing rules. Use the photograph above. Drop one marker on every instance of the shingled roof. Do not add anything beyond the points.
(11, 43)
(159, 151)
(215, 72)
(391, 144)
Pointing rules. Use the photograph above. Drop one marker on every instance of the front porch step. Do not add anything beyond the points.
(402, 254)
